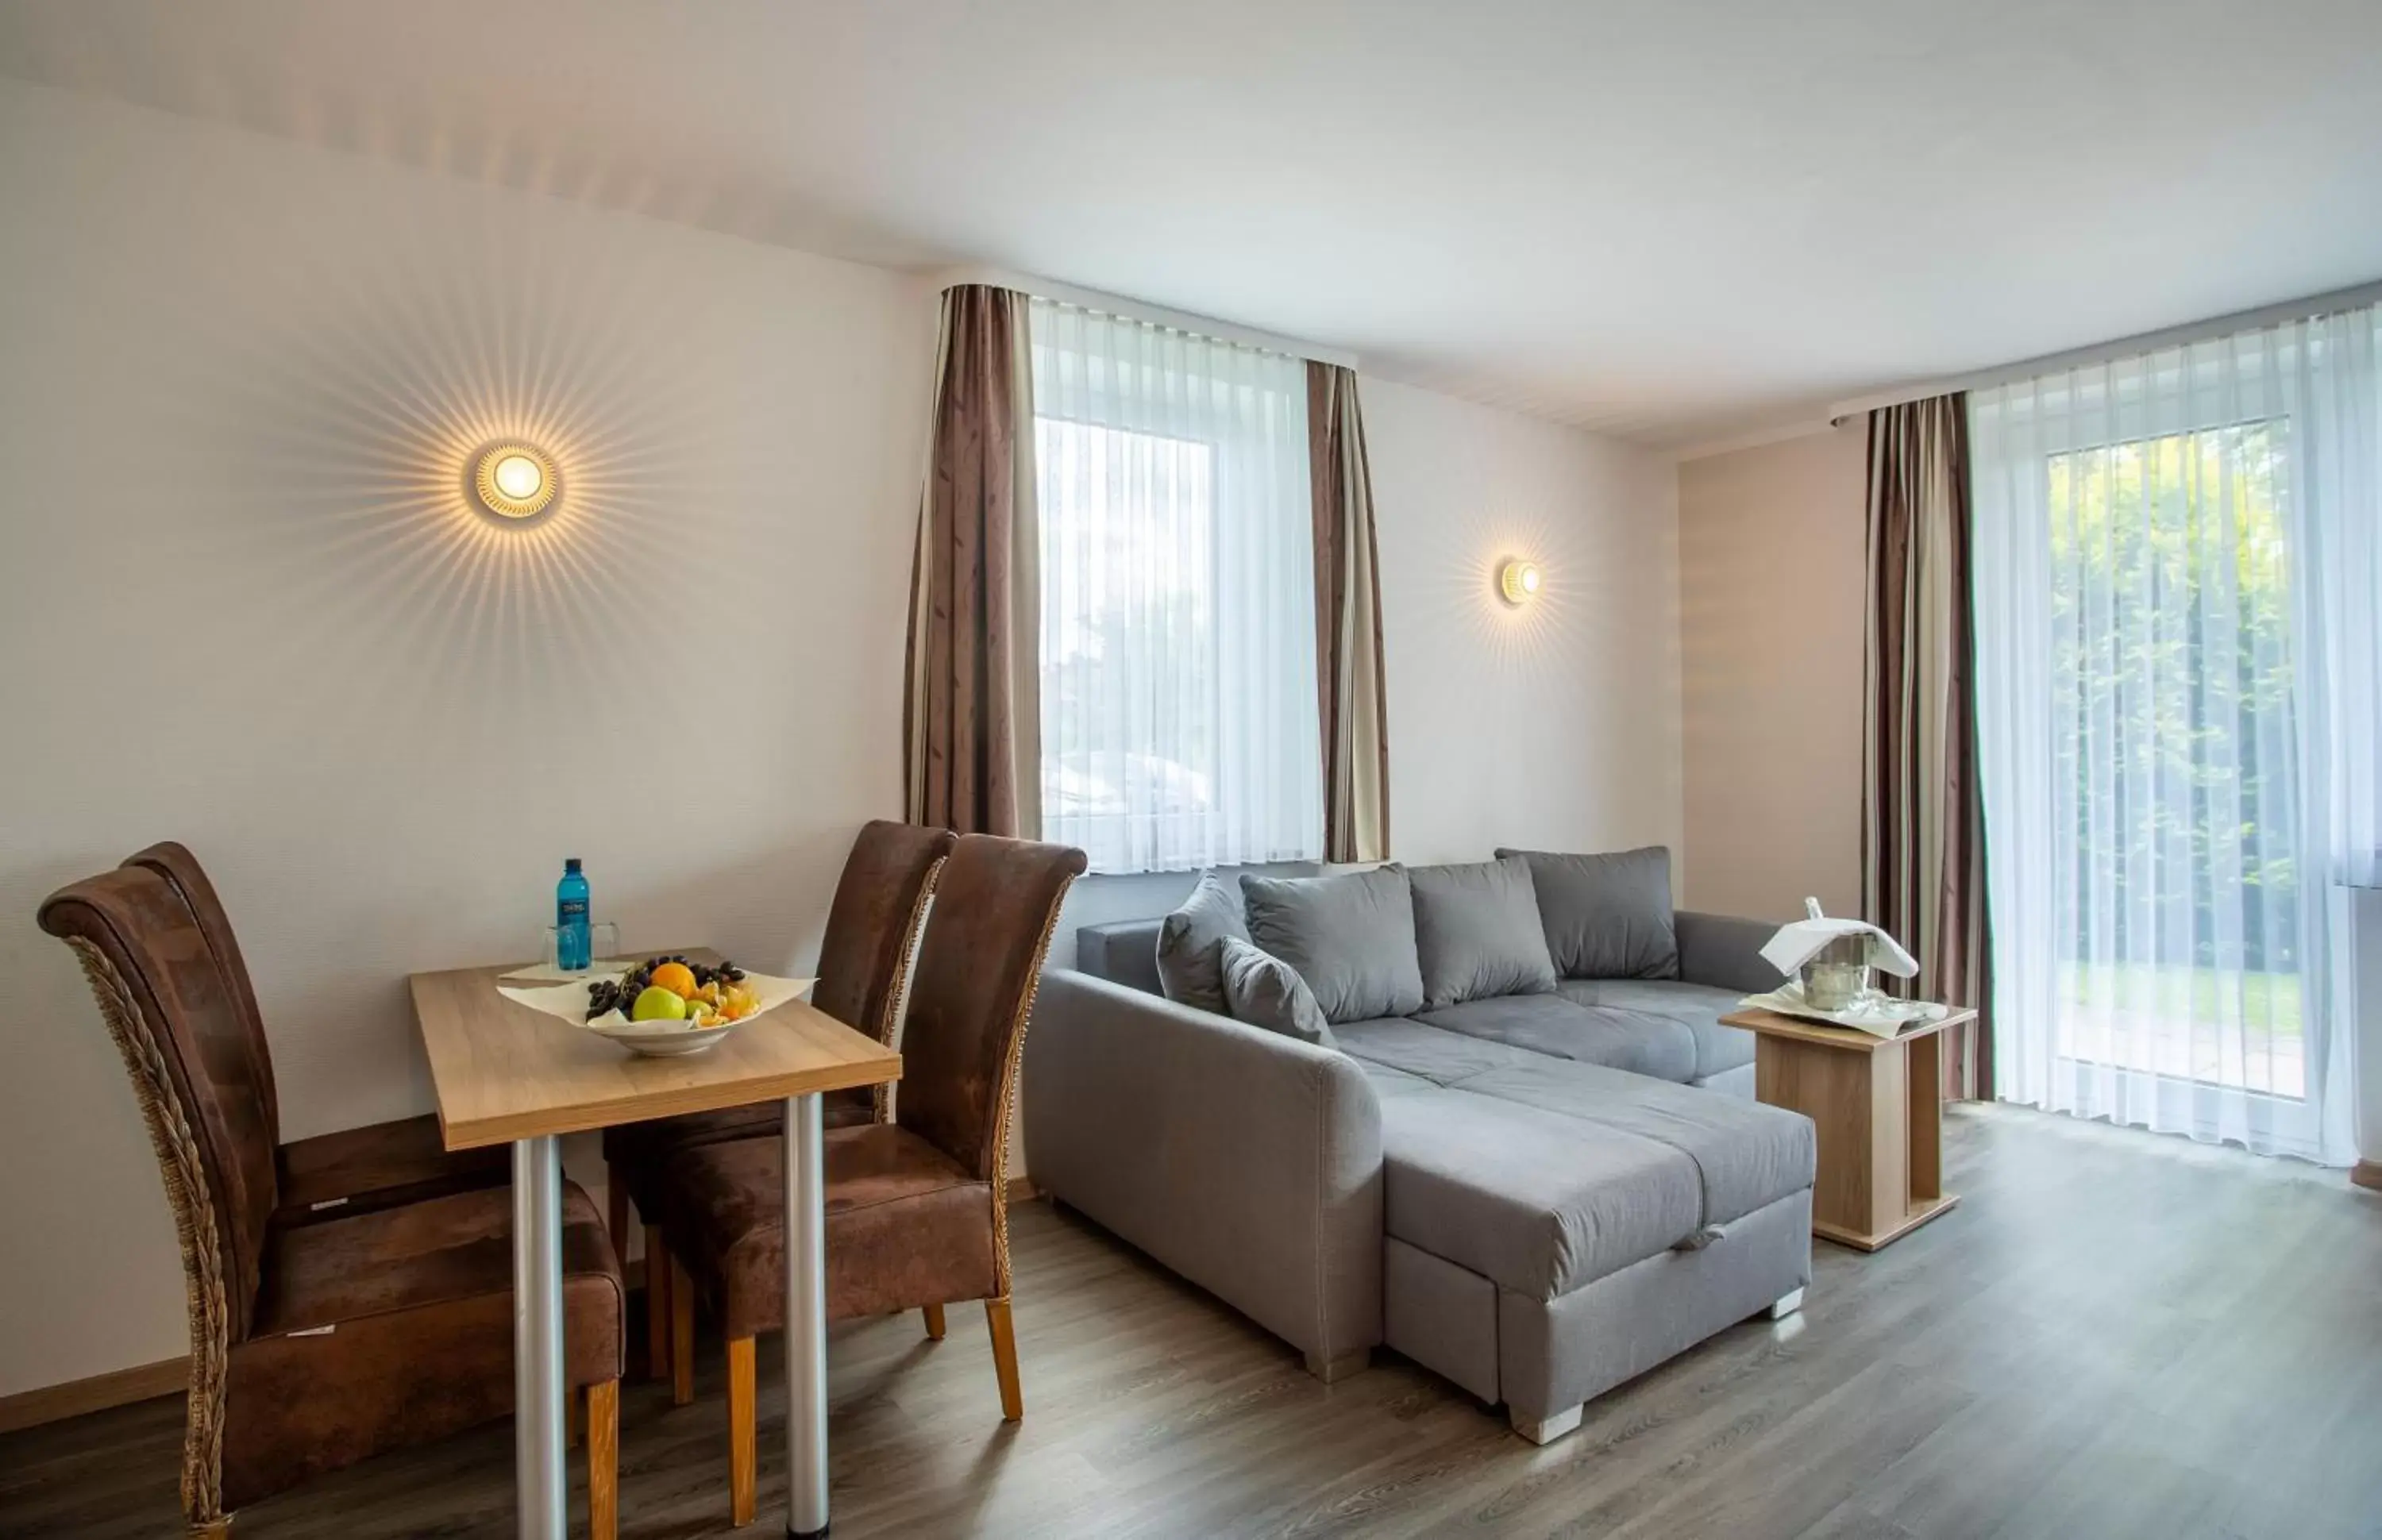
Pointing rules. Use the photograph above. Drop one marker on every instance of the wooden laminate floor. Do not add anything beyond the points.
(2114, 1335)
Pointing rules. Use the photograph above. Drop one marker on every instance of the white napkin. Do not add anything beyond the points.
(1795, 944)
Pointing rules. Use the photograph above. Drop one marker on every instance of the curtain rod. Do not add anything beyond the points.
(1157, 315)
(2102, 352)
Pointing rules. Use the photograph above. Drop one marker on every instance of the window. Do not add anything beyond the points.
(1179, 716)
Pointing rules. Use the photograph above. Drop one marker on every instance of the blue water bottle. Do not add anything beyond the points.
(570, 918)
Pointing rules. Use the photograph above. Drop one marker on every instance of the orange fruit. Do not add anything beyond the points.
(676, 977)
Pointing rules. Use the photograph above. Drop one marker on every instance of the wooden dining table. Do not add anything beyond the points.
(504, 1073)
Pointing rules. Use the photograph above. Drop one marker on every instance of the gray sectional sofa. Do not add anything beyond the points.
(1538, 1193)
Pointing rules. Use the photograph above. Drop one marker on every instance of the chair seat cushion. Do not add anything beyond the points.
(1696, 1006)
(418, 1302)
(636, 1153)
(907, 1226)
(432, 1252)
(1642, 1043)
(340, 1175)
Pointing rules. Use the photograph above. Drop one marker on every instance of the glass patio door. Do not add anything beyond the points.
(2164, 909)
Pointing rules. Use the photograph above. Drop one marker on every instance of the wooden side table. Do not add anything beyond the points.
(1878, 1105)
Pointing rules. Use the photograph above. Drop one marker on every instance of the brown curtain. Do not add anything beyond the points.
(1347, 622)
(1923, 824)
(971, 708)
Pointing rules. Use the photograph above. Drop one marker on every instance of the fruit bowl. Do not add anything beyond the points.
(663, 1039)
(662, 1007)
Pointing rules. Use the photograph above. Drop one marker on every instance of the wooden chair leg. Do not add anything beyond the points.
(616, 1208)
(1004, 1359)
(934, 1313)
(681, 1354)
(604, 1461)
(744, 1431)
(657, 1303)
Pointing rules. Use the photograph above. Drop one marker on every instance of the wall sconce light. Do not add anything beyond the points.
(1518, 582)
(514, 481)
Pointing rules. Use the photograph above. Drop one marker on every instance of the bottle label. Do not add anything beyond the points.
(573, 909)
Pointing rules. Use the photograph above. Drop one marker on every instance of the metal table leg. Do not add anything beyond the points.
(542, 1490)
(805, 1319)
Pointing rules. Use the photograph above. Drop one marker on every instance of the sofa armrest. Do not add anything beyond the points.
(1725, 951)
(1248, 1162)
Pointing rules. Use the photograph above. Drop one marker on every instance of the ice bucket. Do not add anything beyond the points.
(1837, 974)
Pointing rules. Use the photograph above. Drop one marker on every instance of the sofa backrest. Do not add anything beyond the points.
(1124, 952)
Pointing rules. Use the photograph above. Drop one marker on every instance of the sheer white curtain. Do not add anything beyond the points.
(1179, 709)
(2177, 696)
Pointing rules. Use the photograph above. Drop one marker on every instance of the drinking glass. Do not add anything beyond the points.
(602, 944)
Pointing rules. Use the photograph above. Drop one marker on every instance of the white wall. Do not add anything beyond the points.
(1771, 558)
(243, 608)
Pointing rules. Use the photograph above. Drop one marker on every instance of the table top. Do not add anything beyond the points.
(503, 1072)
(1771, 1024)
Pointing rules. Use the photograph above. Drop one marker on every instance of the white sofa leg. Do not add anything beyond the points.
(1331, 1371)
(1785, 1305)
(1546, 1430)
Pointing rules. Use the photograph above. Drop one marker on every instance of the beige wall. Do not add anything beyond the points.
(1771, 559)
(237, 381)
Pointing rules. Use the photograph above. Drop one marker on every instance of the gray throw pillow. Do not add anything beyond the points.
(1606, 916)
(1350, 935)
(1190, 939)
(1477, 932)
(1266, 992)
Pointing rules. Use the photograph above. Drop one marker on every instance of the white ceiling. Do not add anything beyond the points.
(1676, 221)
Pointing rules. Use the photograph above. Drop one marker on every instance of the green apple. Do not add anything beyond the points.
(657, 1004)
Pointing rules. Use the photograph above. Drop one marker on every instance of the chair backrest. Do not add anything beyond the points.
(977, 968)
(173, 860)
(188, 1050)
(873, 926)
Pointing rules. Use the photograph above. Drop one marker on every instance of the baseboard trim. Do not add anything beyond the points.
(56, 1403)
(2368, 1173)
(1023, 1191)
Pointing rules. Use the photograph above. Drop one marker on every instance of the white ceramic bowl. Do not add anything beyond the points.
(664, 1039)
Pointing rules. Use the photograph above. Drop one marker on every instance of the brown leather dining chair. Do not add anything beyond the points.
(317, 1338)
(872, 928)
(331, 1174)
(918, 1216)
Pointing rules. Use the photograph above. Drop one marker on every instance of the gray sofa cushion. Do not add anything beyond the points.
(1696, 1006)
(1191, 939)
(1606, 916)
(1350, 935)
(1477, 932)
(1549, 1024)
(1266, 992)
(1539, 1201)
(1546, 1174)
(1747, 1156)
